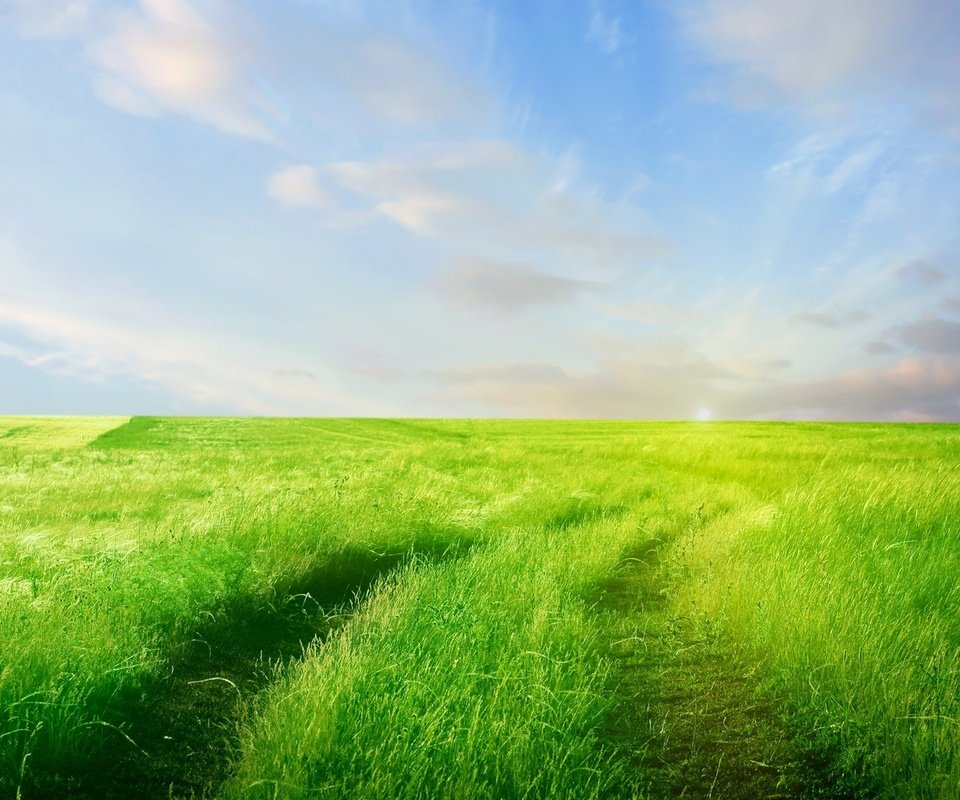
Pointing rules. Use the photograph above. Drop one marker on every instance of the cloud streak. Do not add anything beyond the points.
(830, 319)
(604, 30)
(214, 373)
(484, 284)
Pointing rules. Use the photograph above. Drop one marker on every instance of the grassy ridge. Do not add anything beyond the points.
(482, 678)
(474, 679)
(825, 556)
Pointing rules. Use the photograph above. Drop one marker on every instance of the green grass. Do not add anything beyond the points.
(479, 649)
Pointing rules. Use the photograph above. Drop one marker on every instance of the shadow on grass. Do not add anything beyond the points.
(176, 739)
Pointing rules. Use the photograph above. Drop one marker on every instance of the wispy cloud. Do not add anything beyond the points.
(210, 369)
(500, 200)
(604, 30)
(829, 161)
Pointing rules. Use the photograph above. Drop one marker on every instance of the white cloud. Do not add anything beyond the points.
(298, 186)
(831, 54)
(503, 202)
(170, 57)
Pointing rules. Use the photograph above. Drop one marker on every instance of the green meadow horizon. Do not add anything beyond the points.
(326, 607)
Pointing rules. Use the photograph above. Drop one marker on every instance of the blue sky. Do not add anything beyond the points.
(710, 208)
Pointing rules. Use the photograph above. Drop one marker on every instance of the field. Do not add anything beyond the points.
(280, 608)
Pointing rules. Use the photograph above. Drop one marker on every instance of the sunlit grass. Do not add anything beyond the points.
(824, 555)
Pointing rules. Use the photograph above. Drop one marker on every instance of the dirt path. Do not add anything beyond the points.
(691, 720)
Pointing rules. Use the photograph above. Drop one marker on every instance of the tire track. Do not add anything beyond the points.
(177, 739)
(689, 719)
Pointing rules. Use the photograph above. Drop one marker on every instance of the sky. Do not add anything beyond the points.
(707, 209)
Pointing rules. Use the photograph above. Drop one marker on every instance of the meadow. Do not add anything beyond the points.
(325, 608)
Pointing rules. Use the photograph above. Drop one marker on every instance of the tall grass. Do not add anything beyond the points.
(826, 555)
(481, 678)
(111, 556)
(845, 592)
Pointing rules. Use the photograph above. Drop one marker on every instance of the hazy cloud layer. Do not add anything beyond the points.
(485, 284)
(921, 272)
(879, 348)
(399, 84)
(49, 18)
(831, 319)
(912, 389)
(932, 335)
(835, 53)
(627, 381)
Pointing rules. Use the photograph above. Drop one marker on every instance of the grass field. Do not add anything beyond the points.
(280, 608)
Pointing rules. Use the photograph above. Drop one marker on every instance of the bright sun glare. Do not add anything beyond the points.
(703, 414)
